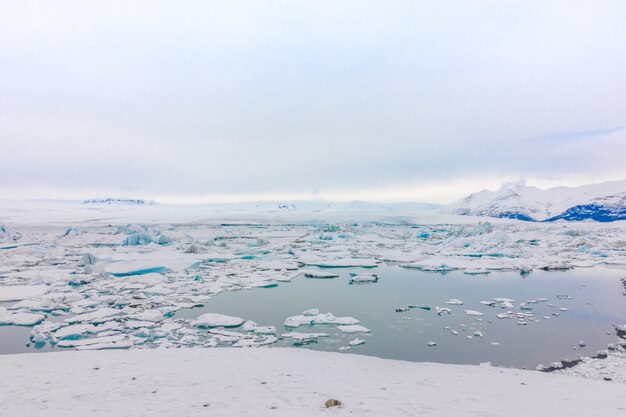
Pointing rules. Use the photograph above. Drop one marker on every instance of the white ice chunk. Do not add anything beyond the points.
(296, 321)
(473, 313)
(363, 278)
(353, 328)
(319, 274)
(441, 310)
(322, 318)
(311, 312)
(302, 337)
(356, 342)
(216, 320)
(267, 330)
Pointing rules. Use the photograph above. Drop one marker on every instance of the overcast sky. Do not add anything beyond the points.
(390, 100)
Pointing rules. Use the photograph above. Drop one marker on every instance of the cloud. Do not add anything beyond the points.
(243, 98)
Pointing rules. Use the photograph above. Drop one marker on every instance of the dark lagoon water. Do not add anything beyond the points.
(595, 302)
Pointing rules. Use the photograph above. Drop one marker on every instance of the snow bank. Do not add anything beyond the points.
(285, 382)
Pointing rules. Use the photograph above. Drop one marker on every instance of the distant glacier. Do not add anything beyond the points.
(109, 200)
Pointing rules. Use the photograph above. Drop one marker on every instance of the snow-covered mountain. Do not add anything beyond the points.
(603, 202)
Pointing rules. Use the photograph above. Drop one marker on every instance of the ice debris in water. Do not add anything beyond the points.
(441, 310)
(319, 274)
(363, 278)
(473, 313)
(303, 337)
(356, 342)
(87, 286)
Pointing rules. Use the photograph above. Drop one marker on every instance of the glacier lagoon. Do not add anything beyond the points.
(551, 313)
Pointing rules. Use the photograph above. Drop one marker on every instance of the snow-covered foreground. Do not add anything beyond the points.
(285, 382)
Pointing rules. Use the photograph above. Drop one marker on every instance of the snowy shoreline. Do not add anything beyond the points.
(284, 382)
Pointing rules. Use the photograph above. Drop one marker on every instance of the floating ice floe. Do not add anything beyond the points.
(441, 310)
(473, 313)
(356, 342)
(363, 278)
(353, 328)
(217, 320)
(454, 301)
(304, 337)
(268, 340)
(322, 318)
(319, 274)
(250, 326)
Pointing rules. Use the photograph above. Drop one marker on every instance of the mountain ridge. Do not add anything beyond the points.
(603, 202)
